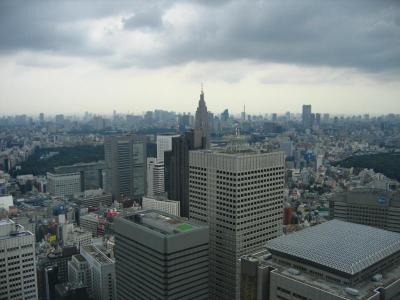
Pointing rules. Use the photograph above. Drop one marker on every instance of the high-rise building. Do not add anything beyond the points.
(240, 195)
(177, 167)
(155, 177)
(17, 262)
(160, 256)
(125, 157)
(102, 285)
(66, 184)
(164, 143)
(306, 117)
(201, 119)
(335, 260)
(371, 207)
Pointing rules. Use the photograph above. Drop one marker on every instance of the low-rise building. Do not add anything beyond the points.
(335, 260)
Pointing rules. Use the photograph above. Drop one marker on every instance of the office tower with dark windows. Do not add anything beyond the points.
(177, 167)
(125, 157)
(239, 194)
(307, 117)
(17, 262)
(160, 256)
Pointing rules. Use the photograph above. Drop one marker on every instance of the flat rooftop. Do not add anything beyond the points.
(98, 255)
(365, 288)
(338, 245)
(162, 222)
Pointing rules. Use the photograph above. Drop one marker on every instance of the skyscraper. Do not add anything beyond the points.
(306, 117)
(240, 196)
(164, 143)
(155, 177)
(17, 262)
(160, 256)
(201, 118)
(177, 167)
(125, 157)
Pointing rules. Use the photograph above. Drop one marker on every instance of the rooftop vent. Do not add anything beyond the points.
(293, 271)
(351, 291)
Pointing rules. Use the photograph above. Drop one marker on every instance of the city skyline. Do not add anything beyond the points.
(140, 56)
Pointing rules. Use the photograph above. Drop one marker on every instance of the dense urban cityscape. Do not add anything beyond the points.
(195, 150)
(197, 206)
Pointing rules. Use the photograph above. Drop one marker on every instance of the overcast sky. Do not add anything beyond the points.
(133, 56)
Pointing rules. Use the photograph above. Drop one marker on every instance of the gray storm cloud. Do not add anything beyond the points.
(356, 34)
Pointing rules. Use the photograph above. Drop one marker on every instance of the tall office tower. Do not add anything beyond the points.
(160, 256)
(125, 157)
(17, 262)
(240, 195)
(335, 260)
(155, 177)
(41, 118)
(326, 118)
(306, 117)
(177, 167)
(367, 206)
(164, 143)
(318, 119)
(201, 119)
(102, 271)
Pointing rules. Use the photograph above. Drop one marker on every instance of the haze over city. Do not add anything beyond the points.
(342, 57)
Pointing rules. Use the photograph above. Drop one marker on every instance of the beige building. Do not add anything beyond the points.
(66, 184)
(239, 194)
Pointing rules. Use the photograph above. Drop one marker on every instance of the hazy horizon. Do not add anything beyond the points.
(272, 56)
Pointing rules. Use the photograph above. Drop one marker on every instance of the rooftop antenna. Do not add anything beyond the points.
(202, 88)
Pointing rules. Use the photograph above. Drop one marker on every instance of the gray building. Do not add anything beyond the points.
(125, 157)
(307, 117)
(240, 196)
(93, 198)
(17, 262)
(79, 272)
(336, 260)
(176, 162)
(102, 273)
(66, 184)
(371, 207)
(91, 174)
(160, 256)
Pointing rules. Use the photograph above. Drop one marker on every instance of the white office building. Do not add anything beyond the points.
(163, 204)
(155, 177)
(67, 184)
(17, 262)
(164, 143)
